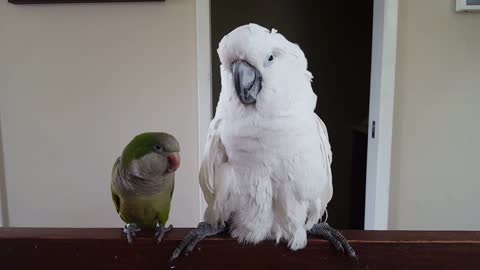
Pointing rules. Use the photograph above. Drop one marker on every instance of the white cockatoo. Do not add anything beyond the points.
(265, 172)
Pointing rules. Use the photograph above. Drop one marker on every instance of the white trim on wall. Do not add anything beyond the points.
(382, 85)
(204, 80)
(3, 192)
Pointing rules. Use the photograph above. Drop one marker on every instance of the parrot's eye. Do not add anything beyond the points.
(270, 58)
(158, 147)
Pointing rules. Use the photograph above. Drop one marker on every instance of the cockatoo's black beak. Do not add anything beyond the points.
(248, 81)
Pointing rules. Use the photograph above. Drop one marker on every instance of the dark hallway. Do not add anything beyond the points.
(336, 39)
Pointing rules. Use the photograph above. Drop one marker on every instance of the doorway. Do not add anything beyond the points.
(336, 38)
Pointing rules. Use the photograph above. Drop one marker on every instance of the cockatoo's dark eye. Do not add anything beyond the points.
(270, 58)
(158, 147)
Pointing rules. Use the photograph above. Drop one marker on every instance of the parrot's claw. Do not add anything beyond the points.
(160, 232)
(194, 237)
(131, 231)
(335, 238)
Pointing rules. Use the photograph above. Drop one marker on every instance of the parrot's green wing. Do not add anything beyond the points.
(116, 200)
(115, 197)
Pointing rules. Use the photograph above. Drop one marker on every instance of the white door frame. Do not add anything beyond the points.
(384, 39)
(204, 81)
(382, 86)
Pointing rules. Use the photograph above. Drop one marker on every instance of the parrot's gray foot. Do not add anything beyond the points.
(194, 236)
(335, 238)
(160, 232)
(131, 231)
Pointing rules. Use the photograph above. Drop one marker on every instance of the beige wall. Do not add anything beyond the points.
(77, 82)
(435, 157)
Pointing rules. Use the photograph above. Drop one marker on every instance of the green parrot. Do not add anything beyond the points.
(142, 183)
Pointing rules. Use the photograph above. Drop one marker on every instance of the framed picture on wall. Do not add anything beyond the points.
(467, 5)
(27, 2)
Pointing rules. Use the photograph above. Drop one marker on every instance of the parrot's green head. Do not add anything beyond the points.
(152, 154)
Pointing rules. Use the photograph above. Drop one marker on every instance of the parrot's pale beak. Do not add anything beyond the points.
(248, 81)
(173, 162)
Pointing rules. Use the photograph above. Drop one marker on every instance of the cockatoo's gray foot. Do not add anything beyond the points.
(131, 231)
(194, 236)
(334, 237)
(160, 232)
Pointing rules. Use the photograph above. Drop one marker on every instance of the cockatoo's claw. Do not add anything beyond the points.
(194, 237)
(335, 238)
(160, 232)
(131, 231)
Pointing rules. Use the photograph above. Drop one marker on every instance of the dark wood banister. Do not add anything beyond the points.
(106, 248)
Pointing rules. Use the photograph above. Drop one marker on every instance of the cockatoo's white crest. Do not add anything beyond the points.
(255, 44)
(285, 79)
(266, 165)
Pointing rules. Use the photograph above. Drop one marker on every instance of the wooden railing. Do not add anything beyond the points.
(61, 248)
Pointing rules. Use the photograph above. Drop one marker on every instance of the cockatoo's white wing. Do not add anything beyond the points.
(326, 152)
(325, 143)
(214, 153)
(216, 175)
(316, 186)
